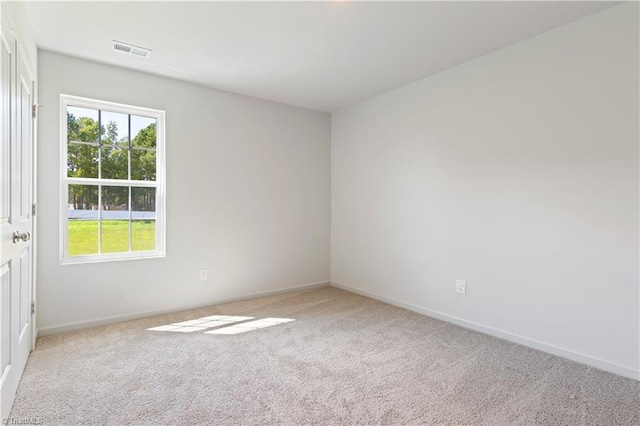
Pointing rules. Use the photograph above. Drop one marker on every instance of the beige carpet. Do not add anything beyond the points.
(345, 359)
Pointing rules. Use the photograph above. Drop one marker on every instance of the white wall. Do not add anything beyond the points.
(517, 172)
(248, 196)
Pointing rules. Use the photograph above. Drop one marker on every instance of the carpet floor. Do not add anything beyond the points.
(345, 359)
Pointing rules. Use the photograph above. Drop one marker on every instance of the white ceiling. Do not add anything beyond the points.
(318, 55)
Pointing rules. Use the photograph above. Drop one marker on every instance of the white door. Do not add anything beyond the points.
(16, 222)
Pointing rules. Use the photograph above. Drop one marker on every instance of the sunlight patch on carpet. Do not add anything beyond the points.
(250, 326)
(221, 324)
(200, 324)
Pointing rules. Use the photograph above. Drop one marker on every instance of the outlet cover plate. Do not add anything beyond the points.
(461, 286)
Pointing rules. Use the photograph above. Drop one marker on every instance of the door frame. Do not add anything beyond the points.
(34, 198)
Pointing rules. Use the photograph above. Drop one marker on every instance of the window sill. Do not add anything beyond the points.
(115, 257)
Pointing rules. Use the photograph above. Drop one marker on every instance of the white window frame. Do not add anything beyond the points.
(65, 181)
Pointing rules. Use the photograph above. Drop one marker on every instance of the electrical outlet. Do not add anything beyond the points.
(204, 273)
(461, 286)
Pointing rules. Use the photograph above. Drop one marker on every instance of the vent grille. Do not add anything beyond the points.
(131, 49)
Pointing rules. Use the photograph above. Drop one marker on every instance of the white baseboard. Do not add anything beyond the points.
(48, 331)
(598, 363)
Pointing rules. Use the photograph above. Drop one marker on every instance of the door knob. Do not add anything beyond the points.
(17, 236)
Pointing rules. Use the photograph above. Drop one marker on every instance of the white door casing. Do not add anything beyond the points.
(16, 221)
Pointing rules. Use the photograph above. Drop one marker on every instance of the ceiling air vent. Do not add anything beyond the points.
(131, 49)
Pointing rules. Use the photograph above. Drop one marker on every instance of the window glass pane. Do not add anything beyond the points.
(115, 219)
(82, 160)
(143, 164)
(82, 237)
(143, 203)
(115, 236)
(143, 235)
(82, 220)
(114, 128)
(115, 202)
(83, 198)
(114, 162)
(143, 227)
(82, 124)
(143, 132)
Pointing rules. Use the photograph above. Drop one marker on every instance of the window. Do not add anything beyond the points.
(112, 185)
